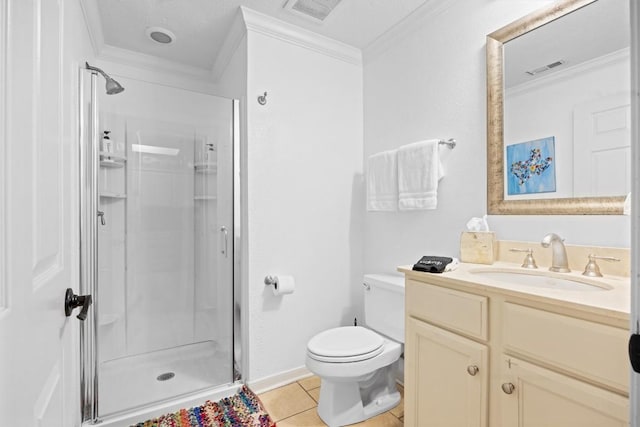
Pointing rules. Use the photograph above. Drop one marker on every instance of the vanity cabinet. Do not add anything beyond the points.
(533, 396)
(479, 356)
(446, 372)
(448, 380)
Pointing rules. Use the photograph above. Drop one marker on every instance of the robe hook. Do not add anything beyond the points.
(262, 99)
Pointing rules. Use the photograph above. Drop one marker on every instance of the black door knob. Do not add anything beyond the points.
(72, 301)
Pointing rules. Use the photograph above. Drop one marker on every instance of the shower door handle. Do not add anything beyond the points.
(224, 237)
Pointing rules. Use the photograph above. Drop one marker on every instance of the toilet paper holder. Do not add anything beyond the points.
(270, 280)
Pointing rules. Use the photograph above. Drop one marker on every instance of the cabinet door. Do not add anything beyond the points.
(536, 397)
(445, 378)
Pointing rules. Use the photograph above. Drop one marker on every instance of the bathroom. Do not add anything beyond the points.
(328, 107)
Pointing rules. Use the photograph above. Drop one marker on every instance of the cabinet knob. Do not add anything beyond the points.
(472, 370)
(508, 388)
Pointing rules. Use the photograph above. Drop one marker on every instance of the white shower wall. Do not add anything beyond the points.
(160, 285)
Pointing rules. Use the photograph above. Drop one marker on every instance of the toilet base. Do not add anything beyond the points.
(344, 403)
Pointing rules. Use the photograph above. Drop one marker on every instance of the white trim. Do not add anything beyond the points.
(94, 24)
(634, 317)
(268, 26)
(409, 25)
(150, 62)
(571, 72)
(3, 155)
(231, 42)
(278, 380)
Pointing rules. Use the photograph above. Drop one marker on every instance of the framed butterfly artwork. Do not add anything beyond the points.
(530, 167)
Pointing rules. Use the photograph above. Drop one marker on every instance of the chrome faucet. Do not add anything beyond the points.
(559, 262)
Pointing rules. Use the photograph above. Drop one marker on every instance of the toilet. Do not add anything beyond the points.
(358, 365)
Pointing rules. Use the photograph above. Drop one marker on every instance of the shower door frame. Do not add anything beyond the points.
(88, 251)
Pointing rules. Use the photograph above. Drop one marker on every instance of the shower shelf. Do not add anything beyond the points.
(205, 197)
(110, 195)
(111, 160)
(206, 167)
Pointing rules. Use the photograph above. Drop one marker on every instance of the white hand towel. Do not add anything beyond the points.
(419, 171)
(382, 181)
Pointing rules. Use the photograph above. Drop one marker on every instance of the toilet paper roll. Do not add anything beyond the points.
(284, 285)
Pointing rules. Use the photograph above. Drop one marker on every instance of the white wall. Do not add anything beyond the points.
(426, 79)
(304, 197)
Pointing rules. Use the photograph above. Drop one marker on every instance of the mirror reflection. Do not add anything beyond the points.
(567, 106)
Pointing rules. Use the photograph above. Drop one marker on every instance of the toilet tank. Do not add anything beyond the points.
(384, 304)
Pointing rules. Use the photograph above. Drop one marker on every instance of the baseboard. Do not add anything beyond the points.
(278, 380)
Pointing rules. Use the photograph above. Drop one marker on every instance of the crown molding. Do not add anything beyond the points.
(271, 27)
(570, 72)
(153, 63)
(231, 42)
(412, 23)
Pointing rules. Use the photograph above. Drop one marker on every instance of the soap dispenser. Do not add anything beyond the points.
(107, 144)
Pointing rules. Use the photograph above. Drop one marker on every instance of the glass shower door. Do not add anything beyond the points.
(164, 294)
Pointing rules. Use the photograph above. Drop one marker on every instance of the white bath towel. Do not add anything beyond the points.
(419, 171)
(382, 181)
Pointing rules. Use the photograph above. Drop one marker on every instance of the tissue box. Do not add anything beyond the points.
(478, 247)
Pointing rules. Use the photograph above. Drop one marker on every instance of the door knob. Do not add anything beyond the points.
(72, 301)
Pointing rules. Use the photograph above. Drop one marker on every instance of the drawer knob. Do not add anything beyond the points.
(508, 388)
(472, 370)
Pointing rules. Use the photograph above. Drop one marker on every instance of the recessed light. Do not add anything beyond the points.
(160, 35)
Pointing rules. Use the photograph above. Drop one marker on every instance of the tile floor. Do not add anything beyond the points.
(294, 405)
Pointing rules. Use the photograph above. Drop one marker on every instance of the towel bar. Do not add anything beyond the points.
(451, 143)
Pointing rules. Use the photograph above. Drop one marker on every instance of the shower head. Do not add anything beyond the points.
(112, 86)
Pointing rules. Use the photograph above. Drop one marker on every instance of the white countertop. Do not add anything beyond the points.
(613, 301)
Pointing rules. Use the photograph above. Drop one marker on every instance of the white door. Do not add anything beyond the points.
(602, 154)
(37, 217)
(635, 210)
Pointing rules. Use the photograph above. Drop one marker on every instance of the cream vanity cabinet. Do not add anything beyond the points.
(475, 356)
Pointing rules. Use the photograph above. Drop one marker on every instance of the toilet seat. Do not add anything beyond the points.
(345, 344)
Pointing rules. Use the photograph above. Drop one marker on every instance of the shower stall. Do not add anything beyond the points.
(157, 251)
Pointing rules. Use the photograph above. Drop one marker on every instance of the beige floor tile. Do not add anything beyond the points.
(310, 382)
(286, 401)
(382, 420)
(315, 394)
(308, 418)
(398, 411)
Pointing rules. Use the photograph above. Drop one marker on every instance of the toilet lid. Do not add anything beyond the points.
(345, 344)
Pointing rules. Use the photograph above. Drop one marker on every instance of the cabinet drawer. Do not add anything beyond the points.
(588, 349)
(458, 311)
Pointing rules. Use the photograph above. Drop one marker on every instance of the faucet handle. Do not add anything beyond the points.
(592, 269)
(528, 262)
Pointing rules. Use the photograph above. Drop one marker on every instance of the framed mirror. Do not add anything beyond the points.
(558, 111)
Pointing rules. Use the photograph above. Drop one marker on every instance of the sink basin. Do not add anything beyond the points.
(542, 279)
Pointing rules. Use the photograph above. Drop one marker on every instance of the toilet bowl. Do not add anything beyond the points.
(358, 365)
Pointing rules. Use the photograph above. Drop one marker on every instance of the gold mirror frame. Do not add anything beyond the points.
(496, 204)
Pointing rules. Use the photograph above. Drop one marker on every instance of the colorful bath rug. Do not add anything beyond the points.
(243, 409)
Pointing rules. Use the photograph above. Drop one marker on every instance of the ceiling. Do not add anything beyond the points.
(578, 37)
(200, 26)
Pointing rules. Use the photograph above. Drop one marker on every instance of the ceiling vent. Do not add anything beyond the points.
(546, 67)
(316, 10)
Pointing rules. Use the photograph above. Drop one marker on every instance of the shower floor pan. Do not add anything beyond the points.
(130, 382)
